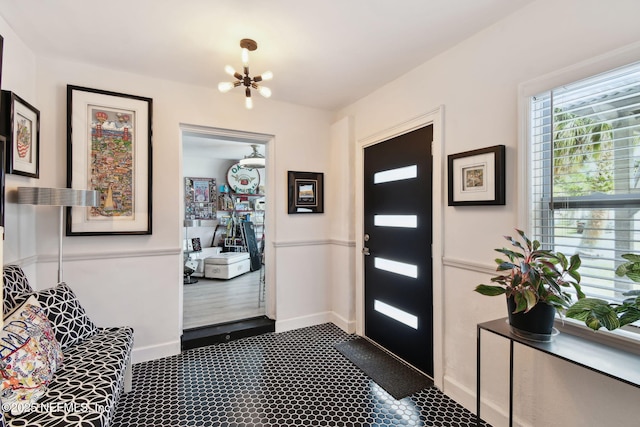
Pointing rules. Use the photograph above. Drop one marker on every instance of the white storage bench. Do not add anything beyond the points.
(226, 265)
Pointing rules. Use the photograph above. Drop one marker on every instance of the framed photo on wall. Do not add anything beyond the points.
(200, 198)
(20, 124)
(2, 144)
(477, 177)
(305, 192)
(109, 150)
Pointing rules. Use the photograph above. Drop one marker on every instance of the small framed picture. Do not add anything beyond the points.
(196, 245)
(20, 124)
(305, 192)
(477, 177)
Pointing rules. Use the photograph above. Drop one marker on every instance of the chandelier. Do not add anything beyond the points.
(247, 45)
(254, 160)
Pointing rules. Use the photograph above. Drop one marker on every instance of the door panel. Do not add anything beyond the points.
(398, 225)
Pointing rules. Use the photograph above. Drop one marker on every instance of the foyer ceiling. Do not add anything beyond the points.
(324, 54)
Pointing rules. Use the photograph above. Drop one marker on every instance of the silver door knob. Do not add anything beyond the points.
(365, 251)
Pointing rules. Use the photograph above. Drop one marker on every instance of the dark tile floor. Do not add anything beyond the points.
(294, 378)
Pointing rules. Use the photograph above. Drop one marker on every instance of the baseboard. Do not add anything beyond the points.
(349, 326)
(467, 398)
(153, 352)
(303, 321)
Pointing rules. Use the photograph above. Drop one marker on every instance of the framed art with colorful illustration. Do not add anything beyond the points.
(305, 192)
(477, 177)
(109, 150)
(20, 124)
(2, 143)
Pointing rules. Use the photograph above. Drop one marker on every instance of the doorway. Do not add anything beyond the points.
(232, 223)
(398, 236)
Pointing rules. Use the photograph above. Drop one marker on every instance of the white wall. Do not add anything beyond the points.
(477, 83)
(341, 199)
(18, 75)
(137, 280)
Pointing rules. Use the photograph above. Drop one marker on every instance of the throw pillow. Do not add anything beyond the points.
(69, 320)
(29, 356)
(16, 288)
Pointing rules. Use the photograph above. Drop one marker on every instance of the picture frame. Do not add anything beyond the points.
(477, 177)
(2, 182)
(200, 198)
(20, 125)
(1, 55)
(109, 150)
(305, 192)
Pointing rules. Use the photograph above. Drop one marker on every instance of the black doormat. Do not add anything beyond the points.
(397, 378)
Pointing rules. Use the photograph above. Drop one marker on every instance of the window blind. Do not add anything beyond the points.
(585, 181)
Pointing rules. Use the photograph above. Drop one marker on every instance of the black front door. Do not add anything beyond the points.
(398, 236)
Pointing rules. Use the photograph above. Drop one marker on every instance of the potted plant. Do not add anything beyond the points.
(535, 282)
(597, 313)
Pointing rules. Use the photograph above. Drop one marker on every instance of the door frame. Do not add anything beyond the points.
(435, 118)
(268, 141)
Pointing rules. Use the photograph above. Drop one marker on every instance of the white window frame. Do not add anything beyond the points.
(598, 65)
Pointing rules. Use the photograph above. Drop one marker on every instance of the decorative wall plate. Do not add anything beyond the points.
(243, 180)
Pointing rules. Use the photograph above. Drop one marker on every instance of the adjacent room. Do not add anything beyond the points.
(320, 213)
(224, 230)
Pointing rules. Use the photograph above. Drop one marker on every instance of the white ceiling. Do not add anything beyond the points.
(324, 54)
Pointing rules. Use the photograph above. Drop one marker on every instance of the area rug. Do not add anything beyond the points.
(395, 377)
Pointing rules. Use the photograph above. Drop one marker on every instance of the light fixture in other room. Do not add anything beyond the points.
(254, 160)
(247, 46)
(57, 197)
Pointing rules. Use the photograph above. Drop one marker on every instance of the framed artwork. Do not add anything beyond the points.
(20, 124)
(477, 177)
(305, 192)
(200, 198)
(1, 50)
(2, 144)
(109, 150)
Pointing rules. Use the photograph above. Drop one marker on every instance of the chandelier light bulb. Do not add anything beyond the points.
(225, 87)
(268, 75)
(230, 70)
(245, 57)
(264, 91)
(248, 102)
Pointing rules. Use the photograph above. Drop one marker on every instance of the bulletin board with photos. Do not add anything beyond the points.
(200, 198)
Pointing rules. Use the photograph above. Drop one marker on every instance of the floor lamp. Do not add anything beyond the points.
(62, 197)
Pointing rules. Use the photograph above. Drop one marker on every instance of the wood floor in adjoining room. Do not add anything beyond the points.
(213, 301)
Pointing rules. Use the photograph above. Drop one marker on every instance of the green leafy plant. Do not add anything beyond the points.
(534, 275)
(597, 313)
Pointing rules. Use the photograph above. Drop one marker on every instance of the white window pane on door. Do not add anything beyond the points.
(404, 221)
(396, 313)
(398, 174)
(402, 268)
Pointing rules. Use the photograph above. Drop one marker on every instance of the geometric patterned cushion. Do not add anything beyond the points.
(87, 387)
(69, 320)
(29, 356)
(16, 288)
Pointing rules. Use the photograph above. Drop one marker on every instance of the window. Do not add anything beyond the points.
(585, 175)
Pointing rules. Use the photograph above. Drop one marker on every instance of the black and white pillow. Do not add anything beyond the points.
(69, 320)
(16, 288)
